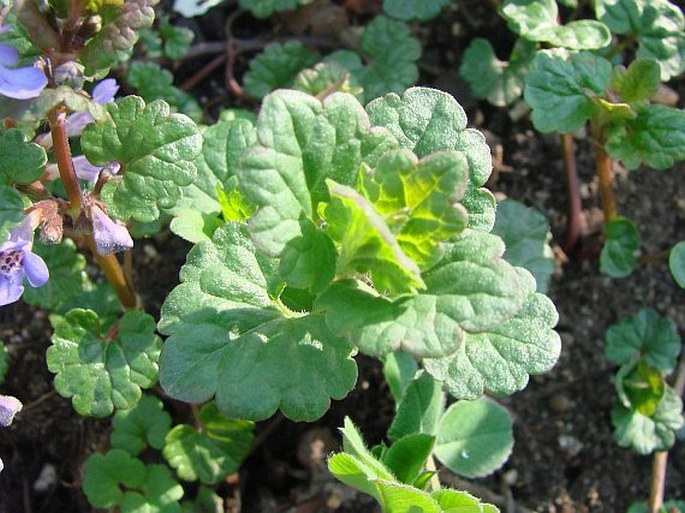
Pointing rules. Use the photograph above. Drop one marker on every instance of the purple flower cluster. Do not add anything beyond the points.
(19, 83)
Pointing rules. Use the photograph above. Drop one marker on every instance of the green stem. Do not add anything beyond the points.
(603, 165)
(57, 119)
(116, 277)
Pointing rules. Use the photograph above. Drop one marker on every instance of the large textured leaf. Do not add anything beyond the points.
(229, 338)
(212, 452)
(500, 82)
(475, 438)
(277, 66)
(426, 121)
(560, 88)
(144, 425)
(525, 233)
(156, 150)
(501, 360)
(644, 335)
(408, 11)
(471, 289)
(20, 161)
(301, 143)
(658, 26)
(656, 138)
(103, 371)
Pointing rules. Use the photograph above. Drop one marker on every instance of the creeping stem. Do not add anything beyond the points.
(603, 166)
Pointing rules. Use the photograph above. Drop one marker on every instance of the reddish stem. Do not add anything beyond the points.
(603, 165)
(57, 119)
(573, 193)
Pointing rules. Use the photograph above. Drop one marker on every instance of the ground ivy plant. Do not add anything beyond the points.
(321, 227)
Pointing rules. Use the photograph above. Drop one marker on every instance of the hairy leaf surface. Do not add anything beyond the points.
(146, 424)
(20, 161)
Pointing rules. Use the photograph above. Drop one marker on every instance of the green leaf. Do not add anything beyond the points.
(231, 339)
(211, 452)
(640, 387)
(391, 53)
(234, 205)
(639, 82)
(206, 501)
(644, 335)
(471, 289)
(420, 409)
(668, 506)
(4, 361)
(525, 233)
(117, 36)
(537, 20)
(658, 26)
(103, 371)
(67, 276)
(401, 498)
(146, 424)
(265, 8)
(334, 73)
(159, 493)
(277, 67)
(426, 121)
(103, 474)
(676, 263)
(156, 150)
(399, 369)
(456, 501)
(475, 438)
(177, 40)
(619, 253)
(20, 161)
(153, 82)
(500, 82)
(561, 87)
(408, 11)
(194, 226)
(647, 434)
(656, 138)
(500, 360)
(12, 205)
(301, 143)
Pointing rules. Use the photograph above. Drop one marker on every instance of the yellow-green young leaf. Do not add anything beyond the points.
(560, 88)
(658, 26)
(461, 502)
(647, 434)
(211, 452)
(639, 82)
(94, 6)
(277, 66)
(103, 370)
(20, 161)
(644, 335)
(500, 82)
(656, 138)
(676, 262)
(301, 142)
(146, 424)
(156, 150)
(474, 438)
(234, 205)
(230, 338)
(500, 360)
(402, 498)
(640, 387)
(619, 253)
(426, 121)
(104, 476)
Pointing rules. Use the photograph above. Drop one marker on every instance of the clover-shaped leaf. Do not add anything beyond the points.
(158, 493)
(640, 81)
(277, 66)
(471, 289)
(525, 232)
(676, 262)
(500, 82)
(426, 121)
(644, 335)
(657, 25)
(104, 473)
(561, 87)
(146, 424)
(474, 438)
(103, 371)
(211, 452)
(408, 11)
(656, 138)
(231, 339)
(647, 434)
(20, 161)
(301, 143)
(156, 150)
(619, 253)
(12, 205)
(501, 360)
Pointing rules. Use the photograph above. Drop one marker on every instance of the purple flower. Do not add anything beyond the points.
(17, 261)
(9, 407)
(19, 83)
(103, 92)
(109, 236)
(85, 170)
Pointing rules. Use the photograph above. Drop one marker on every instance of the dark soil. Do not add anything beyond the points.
(564, 460)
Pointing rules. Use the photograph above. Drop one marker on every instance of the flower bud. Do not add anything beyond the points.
(109, 236)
